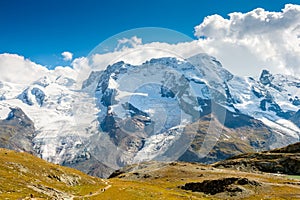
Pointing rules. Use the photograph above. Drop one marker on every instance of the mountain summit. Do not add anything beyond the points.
(164, 109)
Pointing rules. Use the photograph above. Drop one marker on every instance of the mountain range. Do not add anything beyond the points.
(165, 109)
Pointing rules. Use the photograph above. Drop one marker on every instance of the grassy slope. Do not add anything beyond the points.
(22, 174)
(161, 182)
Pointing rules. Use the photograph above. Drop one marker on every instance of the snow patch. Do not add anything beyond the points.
(4, 111)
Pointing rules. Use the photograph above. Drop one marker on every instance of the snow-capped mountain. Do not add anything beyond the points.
(164, 109)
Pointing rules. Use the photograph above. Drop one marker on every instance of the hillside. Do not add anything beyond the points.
(179, 180)
(226, 143)
(23, 176)
(284, 160)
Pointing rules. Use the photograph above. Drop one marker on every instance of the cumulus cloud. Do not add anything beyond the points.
(67, 56)
(17, 69)
(82, 69)
(247, 42)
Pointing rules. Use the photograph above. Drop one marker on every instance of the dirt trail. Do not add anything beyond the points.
(101, 190)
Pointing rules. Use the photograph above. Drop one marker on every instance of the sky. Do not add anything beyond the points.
(42, 30)
(245, 35)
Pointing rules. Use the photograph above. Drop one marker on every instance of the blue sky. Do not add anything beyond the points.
(42, 30)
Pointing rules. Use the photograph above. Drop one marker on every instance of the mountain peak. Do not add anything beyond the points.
(130, 113)
(266, 77)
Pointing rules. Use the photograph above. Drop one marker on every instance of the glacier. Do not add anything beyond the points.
(132, 113)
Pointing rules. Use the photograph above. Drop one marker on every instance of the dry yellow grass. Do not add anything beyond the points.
(23, 176)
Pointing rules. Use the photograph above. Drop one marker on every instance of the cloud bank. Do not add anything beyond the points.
(246, 42)
(17, 69)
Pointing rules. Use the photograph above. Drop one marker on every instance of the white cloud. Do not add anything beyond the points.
(142, 53)
(126, 43)
(17, 69)
(67, 56)
(82, 69)
(247, 42)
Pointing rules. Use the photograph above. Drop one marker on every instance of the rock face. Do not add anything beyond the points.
(33, 95)
(17, 131)
(285, 160)
(266, 77)
(141, 110)
(296, 118)
(92, 167)
(213, 187)
(164, 109)
(292, 148)
(256, 137)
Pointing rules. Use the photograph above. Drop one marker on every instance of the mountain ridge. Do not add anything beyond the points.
(127, 113)
(284, 160)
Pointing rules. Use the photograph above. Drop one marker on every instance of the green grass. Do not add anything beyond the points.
(294, 176)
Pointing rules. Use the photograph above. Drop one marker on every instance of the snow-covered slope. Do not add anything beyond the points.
(143, 107)
(51, 102)
(271, 99)
(130, 113)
